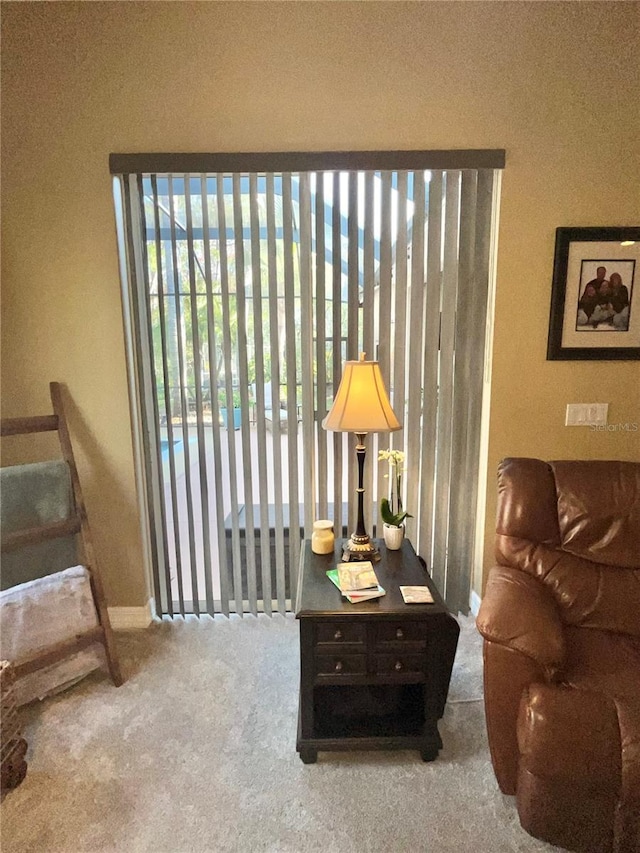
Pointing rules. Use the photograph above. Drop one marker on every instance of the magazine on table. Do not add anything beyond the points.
(356, 582)
(355, 577)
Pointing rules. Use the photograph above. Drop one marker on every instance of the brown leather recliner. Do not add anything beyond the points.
(561, 625)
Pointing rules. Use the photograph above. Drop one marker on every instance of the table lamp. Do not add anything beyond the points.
(361, 406)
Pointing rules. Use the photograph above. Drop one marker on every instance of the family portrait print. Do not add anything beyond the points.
(605, 295)
(594, 314)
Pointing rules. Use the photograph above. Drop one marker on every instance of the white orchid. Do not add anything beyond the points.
(393, 457)
(391, 507)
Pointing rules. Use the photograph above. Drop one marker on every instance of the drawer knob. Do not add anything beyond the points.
(339, 666)
(399, 634)
(398, 666)
(337, 635)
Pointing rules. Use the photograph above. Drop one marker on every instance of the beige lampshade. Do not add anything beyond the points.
(362, 403)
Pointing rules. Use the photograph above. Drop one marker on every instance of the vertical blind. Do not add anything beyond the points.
(247, 290)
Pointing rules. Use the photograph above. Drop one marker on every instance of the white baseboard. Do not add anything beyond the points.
(128, 618)
(474, 602)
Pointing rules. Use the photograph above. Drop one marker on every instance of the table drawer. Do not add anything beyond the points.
(336, 665)
(401, 632)
(400, 664)
(340, 632)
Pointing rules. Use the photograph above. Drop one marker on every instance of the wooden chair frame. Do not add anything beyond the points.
(77, 524)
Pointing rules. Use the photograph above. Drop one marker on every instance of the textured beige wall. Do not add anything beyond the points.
(556, 84)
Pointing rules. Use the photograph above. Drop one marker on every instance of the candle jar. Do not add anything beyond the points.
(322, 539)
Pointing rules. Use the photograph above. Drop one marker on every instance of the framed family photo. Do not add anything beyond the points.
(595, 296)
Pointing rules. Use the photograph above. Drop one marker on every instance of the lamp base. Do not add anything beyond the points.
(359, 548)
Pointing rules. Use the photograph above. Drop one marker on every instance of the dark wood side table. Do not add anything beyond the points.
(373, 675)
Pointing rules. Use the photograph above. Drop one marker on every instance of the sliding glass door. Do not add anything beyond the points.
(248, 290)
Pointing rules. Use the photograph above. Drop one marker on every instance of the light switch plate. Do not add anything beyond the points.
(586, 414)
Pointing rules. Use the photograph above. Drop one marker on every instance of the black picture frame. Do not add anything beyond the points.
(571, 266)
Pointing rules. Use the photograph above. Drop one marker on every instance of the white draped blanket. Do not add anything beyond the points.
(42, 613)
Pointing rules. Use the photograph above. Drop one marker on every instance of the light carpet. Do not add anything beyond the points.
(196, 753)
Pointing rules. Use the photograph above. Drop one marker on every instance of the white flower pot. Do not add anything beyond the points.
(393, 536)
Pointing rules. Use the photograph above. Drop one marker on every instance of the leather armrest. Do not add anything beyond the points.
(518, 611)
